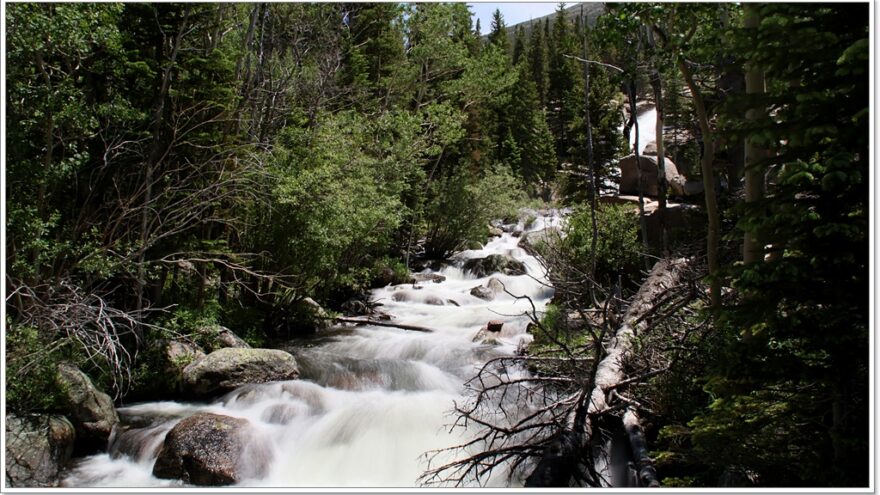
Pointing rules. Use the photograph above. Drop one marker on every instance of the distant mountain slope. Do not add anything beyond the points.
(592, 10)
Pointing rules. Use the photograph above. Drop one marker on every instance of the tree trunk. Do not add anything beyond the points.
(706, 164)
(643, 224)
(657, 86)
(591, 170)
(754, 177)
(645, 472)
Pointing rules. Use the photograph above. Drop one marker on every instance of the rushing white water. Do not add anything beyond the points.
(370, 402)
(647, 120)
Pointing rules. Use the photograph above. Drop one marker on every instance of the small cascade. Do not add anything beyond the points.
(370, 400)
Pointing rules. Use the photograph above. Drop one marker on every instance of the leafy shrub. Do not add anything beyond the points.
(461, 205)
(617, 244)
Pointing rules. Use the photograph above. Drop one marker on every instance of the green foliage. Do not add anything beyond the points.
(339, 196)
(31, 359)
(461, 205)
(795, 370)
(617, 243)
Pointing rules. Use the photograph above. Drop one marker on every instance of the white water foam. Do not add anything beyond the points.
(371, 403)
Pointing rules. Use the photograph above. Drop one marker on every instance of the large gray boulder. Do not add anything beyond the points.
(204, 449)
(37, 448)
(91, 410)
(226, 369)
(629, 175)
(494, 263)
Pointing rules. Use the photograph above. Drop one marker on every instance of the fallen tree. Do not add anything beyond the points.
(559, 463)
(554, 417)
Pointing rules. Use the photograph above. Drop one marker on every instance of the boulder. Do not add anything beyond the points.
(434, 300)
(495, 285)
(225, 369)
(37, 449)
(494, 326)
(204, 449)
(495, 231)
(494, 263)
(312, 313)
(629, 175)
(91, 410)
(219, 337)
(650, 148)
(179, 354)
(482, 292)
(534, 242)
(427, 277)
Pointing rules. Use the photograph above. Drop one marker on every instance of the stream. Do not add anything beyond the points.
(370, 401)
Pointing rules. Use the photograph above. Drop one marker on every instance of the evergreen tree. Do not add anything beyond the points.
(537, 60)
(498, 35)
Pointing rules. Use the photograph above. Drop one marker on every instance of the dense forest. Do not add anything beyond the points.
(176, 167)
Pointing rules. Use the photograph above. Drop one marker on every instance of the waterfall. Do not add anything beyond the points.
(370, 400)
(647, 120)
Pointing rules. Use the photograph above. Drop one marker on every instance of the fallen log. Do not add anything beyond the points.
(551, 471)
(645, 471)
(366, 321)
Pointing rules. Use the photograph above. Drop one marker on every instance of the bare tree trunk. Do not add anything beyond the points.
(157, 151)
(657, 86)
(643, 224)
(591, 169)
(754, 177)
(645, 471)
(706, 164)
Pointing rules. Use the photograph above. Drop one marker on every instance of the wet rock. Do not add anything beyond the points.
(494, 326)
(204, 449)
(482, 292)
(219, 337)
(226, 369)
(517, 233)
(434, 300)
(37, 448)
(484, 337)
(427, 277)
(495, 285)
(495, 231)
(452, 302)
(91, 411)
(401, 297)
(495, 263)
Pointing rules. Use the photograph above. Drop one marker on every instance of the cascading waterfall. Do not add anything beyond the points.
(370, 400)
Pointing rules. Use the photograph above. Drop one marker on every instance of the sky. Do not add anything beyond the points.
(513, 13)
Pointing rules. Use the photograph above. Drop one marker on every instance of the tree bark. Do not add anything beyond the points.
(706, 165)
(645, 472)
(377, 323)
(657, 87)
(754, 177)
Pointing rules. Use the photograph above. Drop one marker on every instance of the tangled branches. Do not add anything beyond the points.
(65, 313)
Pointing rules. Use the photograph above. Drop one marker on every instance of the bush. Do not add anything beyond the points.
(617, 245)
(461, 205)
